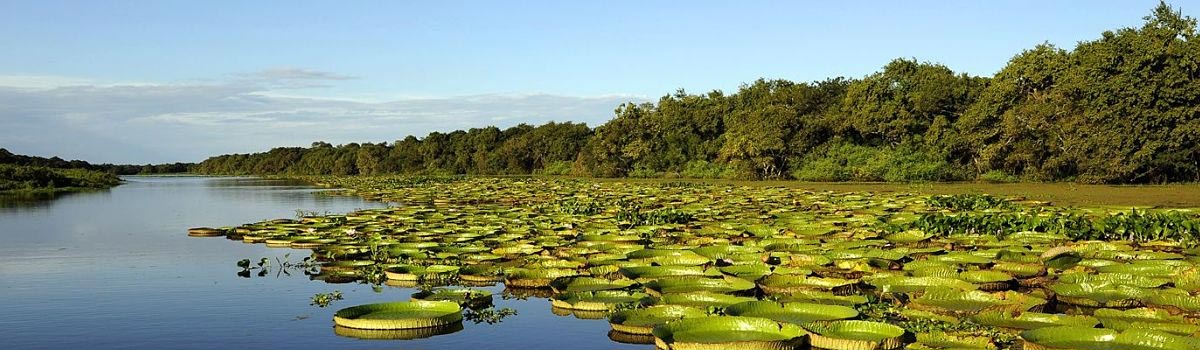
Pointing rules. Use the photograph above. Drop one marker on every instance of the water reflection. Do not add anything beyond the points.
(116, 270)
(15, 202)
(626, 338)
(397, 334)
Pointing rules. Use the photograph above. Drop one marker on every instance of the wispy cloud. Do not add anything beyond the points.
(190, 121)
(298, 74)
(292, 78)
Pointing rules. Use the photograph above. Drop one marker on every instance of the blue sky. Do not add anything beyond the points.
(155, 81)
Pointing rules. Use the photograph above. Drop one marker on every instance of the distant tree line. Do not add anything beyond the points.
(523, 149)
(1124, 108)
(7, 157)
(29, 178)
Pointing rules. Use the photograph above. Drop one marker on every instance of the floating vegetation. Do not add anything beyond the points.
(729, 332)
(400, 315)
(722, 266)
(324, 299)
(467, 297)
(489, 315)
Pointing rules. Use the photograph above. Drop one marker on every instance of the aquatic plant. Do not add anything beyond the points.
(768, 267)
(324, 299)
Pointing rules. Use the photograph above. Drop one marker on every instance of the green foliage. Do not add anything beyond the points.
(844, 161)
(998, 176)
(1118, 109)
(550, 148)
(702, 169)
(324, 299)
(489, 315)
(643, 173)
(634, 215)
(1134, 226)
(557, 168)
(7, 157)
(969, 202)
(36, 178)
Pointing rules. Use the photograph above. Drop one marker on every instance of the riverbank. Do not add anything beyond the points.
(31, 180)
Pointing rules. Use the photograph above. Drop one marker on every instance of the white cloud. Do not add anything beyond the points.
(39, 81)
(291, 73)
(139, 123)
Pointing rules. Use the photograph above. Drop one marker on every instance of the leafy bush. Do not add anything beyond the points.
(845, 161)
(557, 168)
(644, 173)
(1134, 226)
(15, 177)
(998, 176)
(702, 169)
(969, 202)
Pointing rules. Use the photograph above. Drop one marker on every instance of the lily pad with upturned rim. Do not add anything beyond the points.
(797, 313)
(642, 321)
(1083, 338)
(399, 315)
(728, 332)
(856, 335)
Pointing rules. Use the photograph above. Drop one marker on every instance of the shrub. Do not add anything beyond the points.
(701, 169)
(998, 176)
(845, 161)
(556, 168)
(643, 172)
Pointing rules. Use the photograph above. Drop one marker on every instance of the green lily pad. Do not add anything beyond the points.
(728, 332)
(399, 315)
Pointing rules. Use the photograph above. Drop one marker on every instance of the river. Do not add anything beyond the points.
(115, 269)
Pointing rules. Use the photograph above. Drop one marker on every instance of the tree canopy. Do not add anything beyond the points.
(1122, 108)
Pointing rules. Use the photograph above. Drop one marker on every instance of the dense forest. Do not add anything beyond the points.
(27, 178)
(7, 157)
(1122, 108)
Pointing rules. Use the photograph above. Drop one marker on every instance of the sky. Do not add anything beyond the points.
(165, 81)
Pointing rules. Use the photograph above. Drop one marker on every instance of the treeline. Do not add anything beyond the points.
(523, 149)
(24, 178)
(7, 157)
(1123, 108)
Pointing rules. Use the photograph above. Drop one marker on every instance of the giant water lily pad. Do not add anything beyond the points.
(856, 335)
(948, 301)
(464, 296)
(797, 313)
(905, 284)
(712, 246)
(601, 300)
(785, 284)
(684, 284)
(642, 321)
(589, 284)
(702, 299)
(397, 334)
(728, 332)
(1084, 338)
(952, 340)
(1100, 294)
(399, 315)
(1033, 320)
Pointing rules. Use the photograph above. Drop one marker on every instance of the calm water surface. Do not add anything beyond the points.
(115, 270)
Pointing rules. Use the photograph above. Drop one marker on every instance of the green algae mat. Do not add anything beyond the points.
(708, 266)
